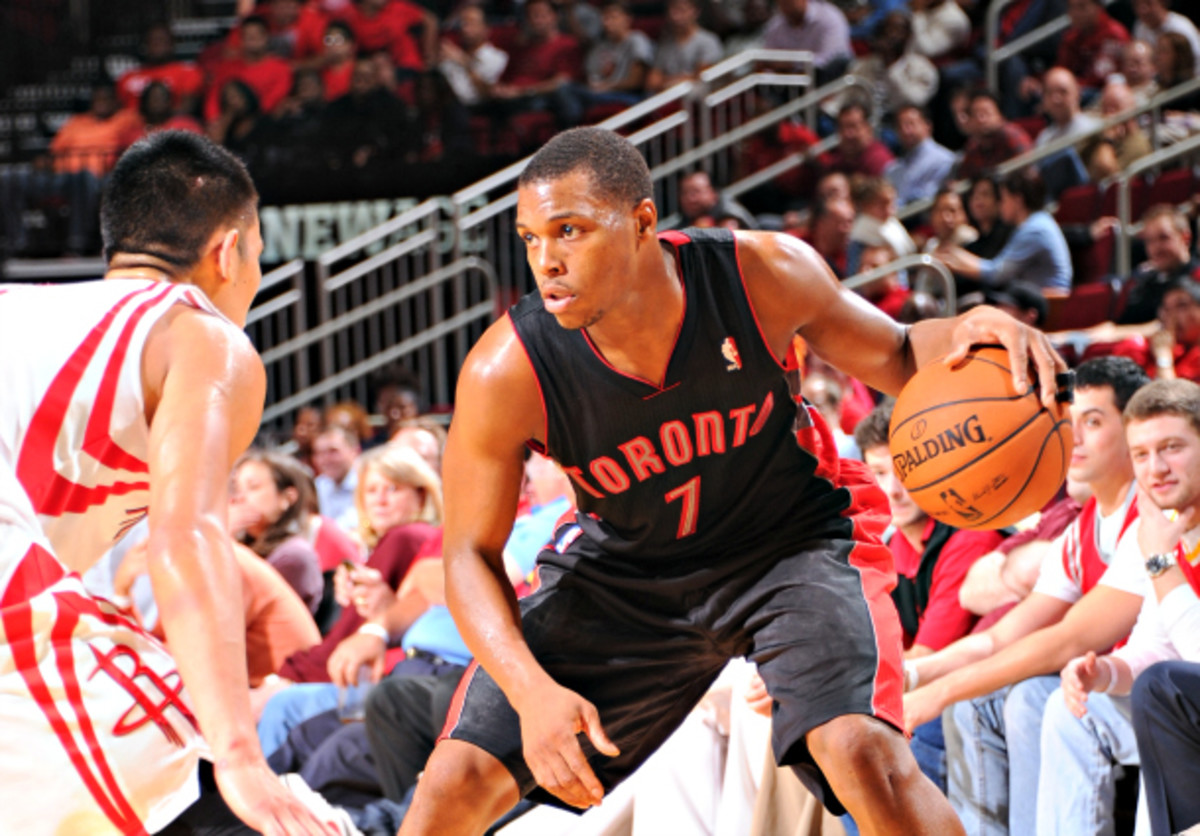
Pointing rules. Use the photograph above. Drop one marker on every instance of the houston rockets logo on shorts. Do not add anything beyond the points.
(730, 352)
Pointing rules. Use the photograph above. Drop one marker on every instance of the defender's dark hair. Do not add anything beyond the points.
(872, 430)
(169, 193)
(617, 169)
(1120, 374)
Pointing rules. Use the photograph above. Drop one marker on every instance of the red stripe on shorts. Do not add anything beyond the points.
(456, 703)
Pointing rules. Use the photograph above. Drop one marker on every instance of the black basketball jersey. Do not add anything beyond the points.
(694, 478)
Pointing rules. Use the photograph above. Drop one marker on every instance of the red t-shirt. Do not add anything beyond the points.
(337, 80)
(1095, 54)
(391, 29)
(305, 37)
(944, 620)
(183, 79)
(534, 63)
(270, 79)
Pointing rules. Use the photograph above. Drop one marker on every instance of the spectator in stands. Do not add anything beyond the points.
(239, 124)
(1175, 63)
(829, 232)
(542, 64)
(1022, 301)
(858, 151)
(924, 166)
(817, 26)
(369, 126)
(352, 417)
(1091, 47)
(1123, 143)
(335, 61)
(398, 396)
(389, 26)
(268, 512)
(1081, 601)
(983, 209)
(335, 454)
(158, 113)
(1168, 240)
(898, 76)
(424, 435)
(1037, 251)
(1176, 349)
(473, 64)
(932, 559)
(684, 49)
(991, 140)
(305, 429)
(939, 28)
(876, 223)
(183, 78)
(579, 19)
(948, 220)
(1060, 103)
(299, 125)
(702, 205)
(1137, 67)
(269, 76)
(750, 29)
(887, 293)
(1155, 18)
(296, 28)
(92, 141)
(617, 64)
(1091, 733)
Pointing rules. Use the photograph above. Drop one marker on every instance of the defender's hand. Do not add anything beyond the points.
(988, 325)
(254, 793)
(552, 751)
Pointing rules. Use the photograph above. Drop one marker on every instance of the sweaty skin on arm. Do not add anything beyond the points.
(793, 290)
(204, 388)
(1097, 621)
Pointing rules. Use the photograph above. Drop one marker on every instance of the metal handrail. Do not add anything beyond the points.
(903, 263)
(1179, 149)
(995, 54)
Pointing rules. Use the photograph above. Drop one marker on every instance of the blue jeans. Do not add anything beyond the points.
(1078, 795)
(992, 750)
(291, 707)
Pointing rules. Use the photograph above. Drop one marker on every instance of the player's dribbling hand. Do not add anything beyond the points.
(1023, 343)
(255, 795)
(552, 751)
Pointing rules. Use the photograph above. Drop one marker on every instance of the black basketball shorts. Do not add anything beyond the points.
(819, 623)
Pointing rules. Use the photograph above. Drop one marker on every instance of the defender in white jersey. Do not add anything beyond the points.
(125, 398)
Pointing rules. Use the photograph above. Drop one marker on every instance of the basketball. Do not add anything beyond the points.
(971, 450)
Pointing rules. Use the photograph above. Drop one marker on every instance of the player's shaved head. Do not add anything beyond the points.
(169, 193)
(616, 168)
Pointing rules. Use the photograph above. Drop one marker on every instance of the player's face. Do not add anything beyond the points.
(904, 510)
(1100, 450)
(1166, 460)
(387, 503)
(580, 247)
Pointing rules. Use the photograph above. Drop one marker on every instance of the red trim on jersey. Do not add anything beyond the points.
(97, 439)
(456, 702)
(36, 571)
(869, 512)
(675, 238)
(52, 493)
(545, 444)
(737, 256)
(18, 627)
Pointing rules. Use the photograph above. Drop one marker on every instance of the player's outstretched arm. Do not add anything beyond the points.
(793, 290)
(497, 409)
(204, 385)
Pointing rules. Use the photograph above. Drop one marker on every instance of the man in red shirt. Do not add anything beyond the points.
(1092, 45)
(296, 28)
(269, 76)
(390, 25)
(182, 78)
(858, 150)
(992, 139)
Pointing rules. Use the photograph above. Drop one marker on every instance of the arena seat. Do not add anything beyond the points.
(1088, 305)
(1174, 187)
(1078, 204)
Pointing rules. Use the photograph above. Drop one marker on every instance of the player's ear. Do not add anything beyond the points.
(645, 216)
(228, 253)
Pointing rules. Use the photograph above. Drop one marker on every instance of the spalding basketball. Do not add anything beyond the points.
(974, 452)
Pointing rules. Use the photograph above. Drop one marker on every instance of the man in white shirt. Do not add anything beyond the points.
(475, 64)
(1154, 17)
(992, 734)
(335, 453)
(1163, 430)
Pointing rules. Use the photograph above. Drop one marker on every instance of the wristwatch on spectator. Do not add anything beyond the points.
(1156, 564)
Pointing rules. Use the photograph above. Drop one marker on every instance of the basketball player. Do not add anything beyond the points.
(716, 520)
(124, 398)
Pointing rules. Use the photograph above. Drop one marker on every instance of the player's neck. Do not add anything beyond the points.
(638, 337)
(1110, 493)
(139, 266)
